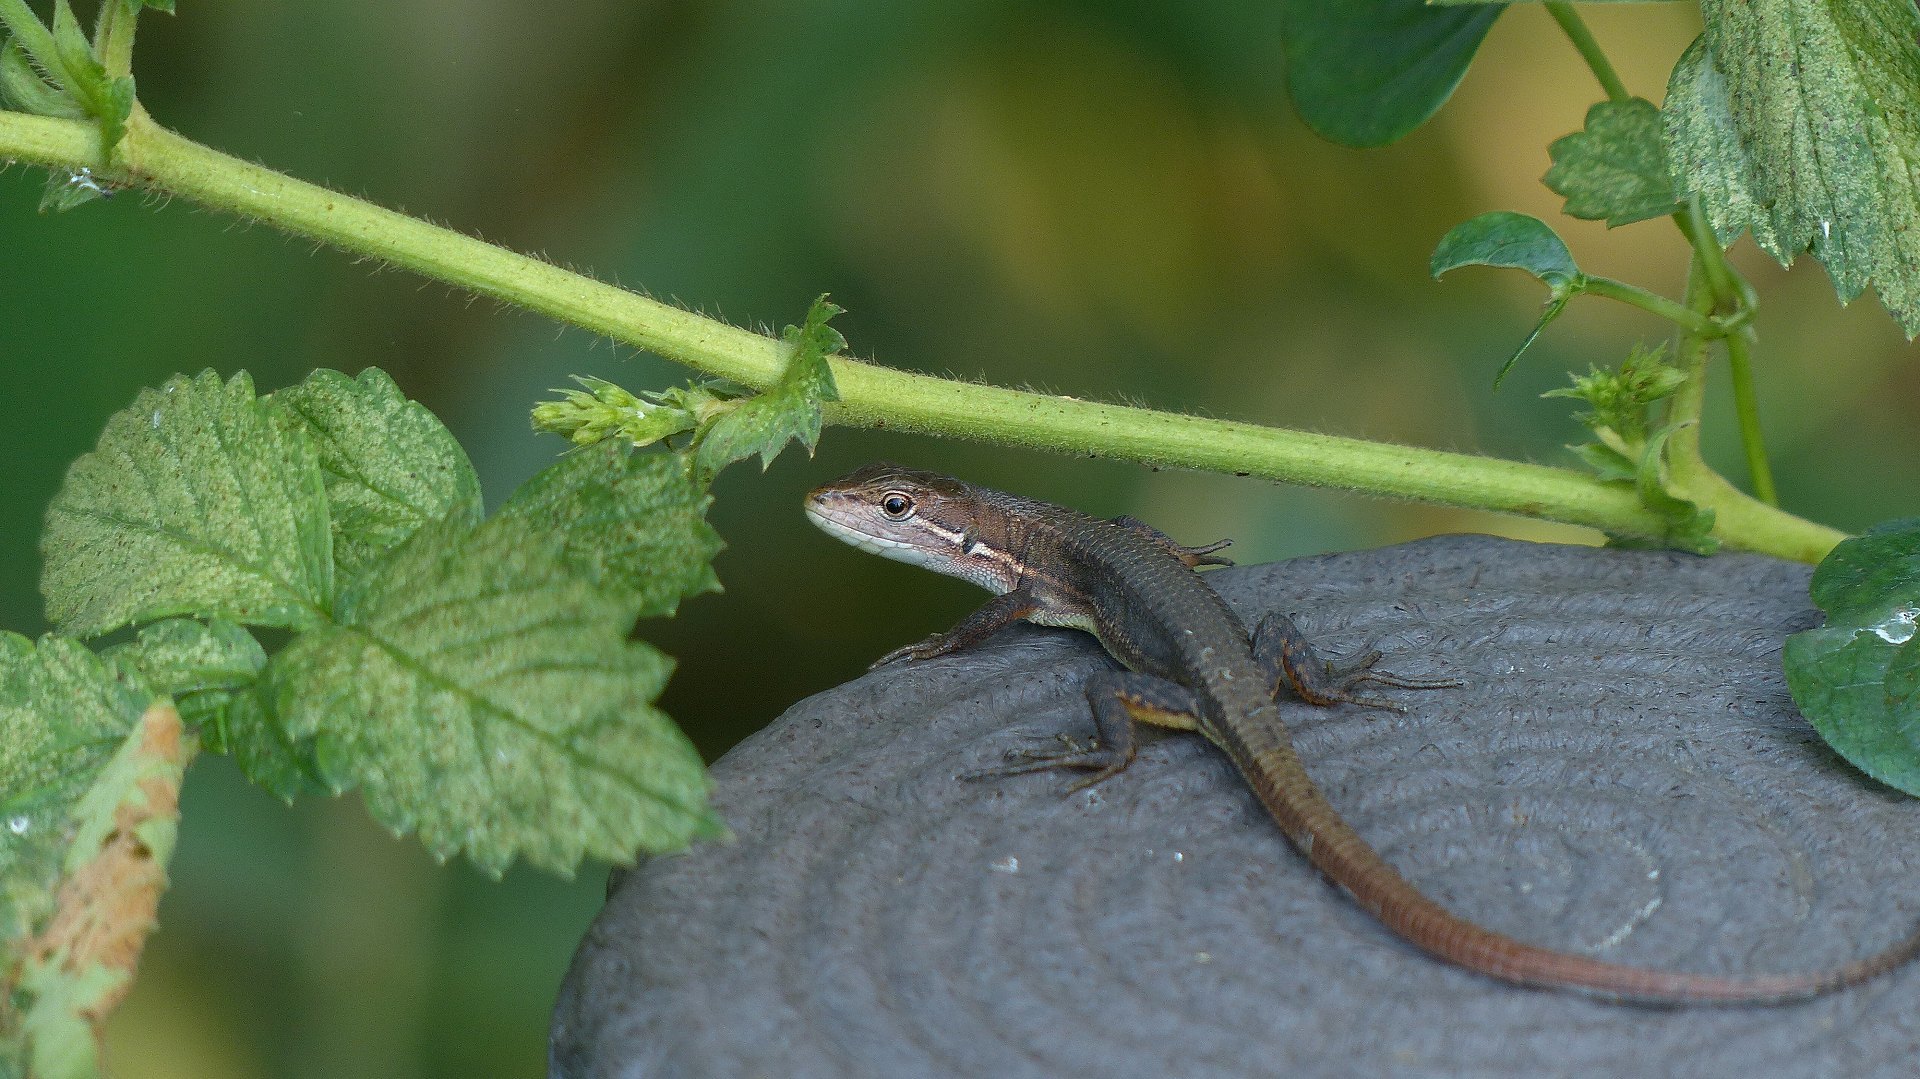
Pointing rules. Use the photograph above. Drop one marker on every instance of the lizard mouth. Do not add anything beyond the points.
(822, 512)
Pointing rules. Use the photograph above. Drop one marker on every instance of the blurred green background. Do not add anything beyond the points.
(1099, 199)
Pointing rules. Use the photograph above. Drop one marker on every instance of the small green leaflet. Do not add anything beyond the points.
(764, 423)
(634, 523)
(1857, 678)
(199, 665)
(111, 881)
(1799, 120)
(481, 693)
(1367, 72)
(198, 500)
(1616, 169)
(1512, 241)
(390, 465)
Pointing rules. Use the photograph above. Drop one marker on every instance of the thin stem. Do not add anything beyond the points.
(1728, 286)
(1688, 402)
(1746, 405)
(1688, 319)
(870, 396)
(1583, 40)
(113, 38)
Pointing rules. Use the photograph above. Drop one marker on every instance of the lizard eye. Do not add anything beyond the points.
(896, 506)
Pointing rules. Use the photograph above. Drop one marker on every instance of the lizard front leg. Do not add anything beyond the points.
(995, 615)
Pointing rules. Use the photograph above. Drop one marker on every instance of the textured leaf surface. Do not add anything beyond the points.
(1799, 120)
(482, 693)
(63, 713)
(390, 465)
(1367, 72)
(199, 665)
(197, 500)
(1857, 678)
(1616, 169)
(79, 967)
(635, 522)
(1508, 240)
(765, 422)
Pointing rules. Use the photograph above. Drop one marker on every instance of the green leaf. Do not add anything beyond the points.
(1799, 120)
(764, 423)
(1367, 72)
(482, 693)
(1513, 241)
(113, 874)
(1854, 678)
(22, 86)
(1616, 169)
(634, 523)
(199, 665)
(258, 741)
(390, 465)
(197, 500)
(63, 712)
(1508, 240)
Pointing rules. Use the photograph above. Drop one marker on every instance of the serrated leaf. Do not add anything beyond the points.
(390, 465)
(80, 965)
(634, 523)
(1367, 72)
(481, 692)
(197, 500)
(1508, 240)
(764, 423)
(63, 712)
(1799, 120)
(1854, 677)
(199, 665)
(259, 744)
(1616, 169)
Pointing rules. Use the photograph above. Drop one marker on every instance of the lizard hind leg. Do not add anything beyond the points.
(1119, 699)
(1290, 660)
(1194, 557)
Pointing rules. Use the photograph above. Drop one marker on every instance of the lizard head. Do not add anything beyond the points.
(910, 515)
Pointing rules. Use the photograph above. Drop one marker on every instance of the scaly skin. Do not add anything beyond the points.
(1192, 666)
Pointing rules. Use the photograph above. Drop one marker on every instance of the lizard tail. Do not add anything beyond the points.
(1265, 756)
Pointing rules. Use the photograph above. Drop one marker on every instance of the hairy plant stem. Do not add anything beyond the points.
(1583, 42)
(153, 157)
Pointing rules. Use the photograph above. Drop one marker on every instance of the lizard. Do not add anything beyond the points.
(1190, 664)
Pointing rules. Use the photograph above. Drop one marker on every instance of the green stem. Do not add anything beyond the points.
(1746, 405)
(1729, 287)
(1688, 319)
(1576, 30)
(871, 396)
(113, 37)
(1685, 407)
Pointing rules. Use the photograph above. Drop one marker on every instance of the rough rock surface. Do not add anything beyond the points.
(1623, 775)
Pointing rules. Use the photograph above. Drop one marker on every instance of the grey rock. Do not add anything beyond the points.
(1623, 775)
